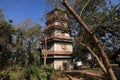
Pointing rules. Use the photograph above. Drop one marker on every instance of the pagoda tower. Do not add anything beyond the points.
(57, 42)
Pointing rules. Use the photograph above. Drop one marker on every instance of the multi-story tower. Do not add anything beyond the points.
(57, 43)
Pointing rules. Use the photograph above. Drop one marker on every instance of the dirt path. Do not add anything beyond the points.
(86, 74)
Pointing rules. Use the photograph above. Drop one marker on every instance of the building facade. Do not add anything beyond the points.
(57, 42)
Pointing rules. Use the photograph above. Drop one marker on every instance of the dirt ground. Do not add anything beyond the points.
(81, 74)
(86, 74)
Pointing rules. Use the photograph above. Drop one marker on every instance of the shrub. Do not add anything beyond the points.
(37, 73)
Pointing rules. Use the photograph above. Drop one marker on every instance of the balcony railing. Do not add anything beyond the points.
(56, 36)
(55, 24)
(55, 52)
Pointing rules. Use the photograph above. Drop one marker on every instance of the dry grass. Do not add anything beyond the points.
(82, 74)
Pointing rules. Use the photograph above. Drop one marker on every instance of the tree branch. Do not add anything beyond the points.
(94, 55)
(78, 18)
(106, 62)
(84, 7)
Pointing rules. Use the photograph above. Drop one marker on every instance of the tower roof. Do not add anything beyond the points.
(56, 9)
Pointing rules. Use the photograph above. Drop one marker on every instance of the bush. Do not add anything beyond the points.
(31, 72)
(4, 75)
(37, 73)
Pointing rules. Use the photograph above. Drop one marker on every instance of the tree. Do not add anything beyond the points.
(103, 55)
(6, 41)
(109, 35)
(1, 16)
(34, 37)
(27, 42)
(97, 14)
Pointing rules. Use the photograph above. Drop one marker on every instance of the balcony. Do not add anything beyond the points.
(62, 36)
(56, 23)
(55, 52)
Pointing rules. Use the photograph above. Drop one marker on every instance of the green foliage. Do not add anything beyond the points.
(4, 75)
(27, 42)
(31, 72)
(102, 18)
(6, 37)
(19, 51)
(6, 31)
(37, 73)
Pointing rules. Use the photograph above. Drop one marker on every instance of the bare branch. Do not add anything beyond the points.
(84, 7)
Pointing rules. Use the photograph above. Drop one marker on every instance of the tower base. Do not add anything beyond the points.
(59, 62)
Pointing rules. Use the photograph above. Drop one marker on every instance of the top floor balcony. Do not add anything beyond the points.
(61, 36)
(56, 23)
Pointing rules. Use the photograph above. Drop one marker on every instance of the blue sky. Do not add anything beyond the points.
(18, 10)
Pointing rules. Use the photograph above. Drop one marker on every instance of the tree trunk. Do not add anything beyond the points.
(44, 55)
(45, 52)
(94, 55)
(104, 57)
